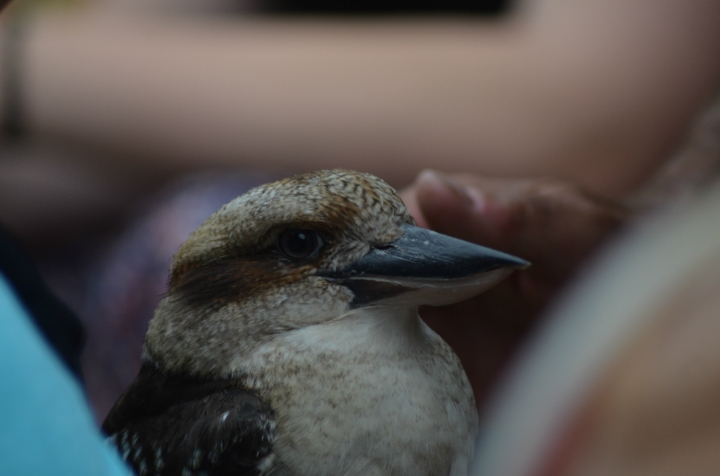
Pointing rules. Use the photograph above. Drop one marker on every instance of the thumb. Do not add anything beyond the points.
(455, 209)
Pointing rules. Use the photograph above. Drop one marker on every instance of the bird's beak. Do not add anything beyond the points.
(424, 268)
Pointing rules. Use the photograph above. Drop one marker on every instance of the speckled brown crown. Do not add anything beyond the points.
(343, 202)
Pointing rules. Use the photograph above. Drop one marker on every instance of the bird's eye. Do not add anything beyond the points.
(298, 244)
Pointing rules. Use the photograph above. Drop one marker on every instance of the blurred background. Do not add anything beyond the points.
(127, 123)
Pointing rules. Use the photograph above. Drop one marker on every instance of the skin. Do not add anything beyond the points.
(553, 224)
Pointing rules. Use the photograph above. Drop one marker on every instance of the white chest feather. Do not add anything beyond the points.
(375, 393)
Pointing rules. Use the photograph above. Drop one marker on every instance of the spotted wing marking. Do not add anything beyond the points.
(172, 425)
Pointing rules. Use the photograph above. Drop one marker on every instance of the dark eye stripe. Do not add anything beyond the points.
(214, 285)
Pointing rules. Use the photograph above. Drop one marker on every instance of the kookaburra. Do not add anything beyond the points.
(289, 342)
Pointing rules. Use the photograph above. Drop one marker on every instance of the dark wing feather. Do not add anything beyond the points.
(168, 424)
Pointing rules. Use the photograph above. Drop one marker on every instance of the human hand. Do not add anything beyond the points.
(552, 224)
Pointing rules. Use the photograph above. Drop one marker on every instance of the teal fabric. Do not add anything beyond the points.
(46, 427)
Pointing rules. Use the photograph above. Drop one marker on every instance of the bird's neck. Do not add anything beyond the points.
(381, 331)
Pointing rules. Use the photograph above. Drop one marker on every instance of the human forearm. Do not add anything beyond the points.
(547, 93)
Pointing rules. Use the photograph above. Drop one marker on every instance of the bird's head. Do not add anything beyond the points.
(301, 252)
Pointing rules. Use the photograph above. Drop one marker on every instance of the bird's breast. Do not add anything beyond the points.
(374, 393)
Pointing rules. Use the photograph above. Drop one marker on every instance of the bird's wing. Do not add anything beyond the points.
(173, 425)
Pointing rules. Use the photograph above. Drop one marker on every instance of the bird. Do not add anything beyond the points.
(289, 341)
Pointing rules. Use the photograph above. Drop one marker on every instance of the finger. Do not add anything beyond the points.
(551, 224)
(409, 197)
(468, 213)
